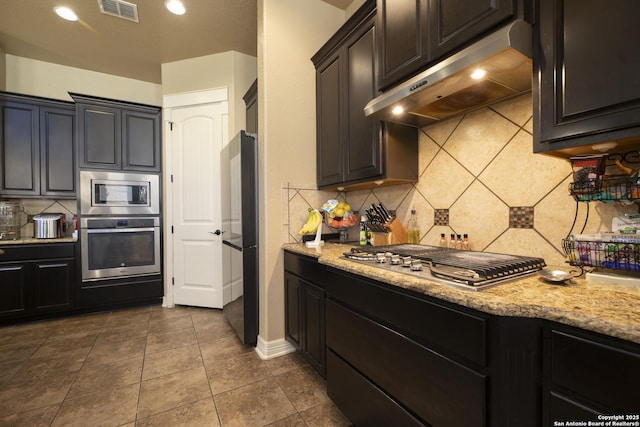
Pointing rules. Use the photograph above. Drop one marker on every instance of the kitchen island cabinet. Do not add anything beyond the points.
(38, 147)
(523, 353)
(586, 89)
(414, 358)
(353, 151)
(117, 135)
(37, 279)
(305, 308)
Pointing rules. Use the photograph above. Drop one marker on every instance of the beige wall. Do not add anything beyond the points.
(289, 33)
(233, 70)
(3, 70)
(31, 77)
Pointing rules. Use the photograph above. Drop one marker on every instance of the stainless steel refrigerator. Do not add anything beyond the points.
(239, 169)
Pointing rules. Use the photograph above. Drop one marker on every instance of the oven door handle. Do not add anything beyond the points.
(119, 230)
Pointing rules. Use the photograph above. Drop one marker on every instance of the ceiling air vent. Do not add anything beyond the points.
(119, 8)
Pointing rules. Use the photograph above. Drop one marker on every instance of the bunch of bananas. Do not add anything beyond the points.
(313, 221)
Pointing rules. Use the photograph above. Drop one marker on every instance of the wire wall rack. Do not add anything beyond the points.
(606, 177)
(621, 253)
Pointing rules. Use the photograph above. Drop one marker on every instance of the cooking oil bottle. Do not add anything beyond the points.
(413, 231)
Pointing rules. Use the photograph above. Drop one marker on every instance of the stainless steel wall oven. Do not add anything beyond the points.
(120, 247)
(119, 224)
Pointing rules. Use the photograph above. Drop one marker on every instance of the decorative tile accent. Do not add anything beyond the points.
(441, 217)
(521, 217)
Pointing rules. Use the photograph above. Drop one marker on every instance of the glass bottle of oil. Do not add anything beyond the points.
(413, 231)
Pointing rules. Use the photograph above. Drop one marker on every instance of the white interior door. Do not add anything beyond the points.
(196, 137)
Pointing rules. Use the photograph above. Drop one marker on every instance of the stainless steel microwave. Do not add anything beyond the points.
(119, 193)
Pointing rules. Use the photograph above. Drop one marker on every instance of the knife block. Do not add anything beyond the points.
(396, 234)
(397, 231)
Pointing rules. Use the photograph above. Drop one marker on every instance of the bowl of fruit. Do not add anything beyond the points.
(339, 216)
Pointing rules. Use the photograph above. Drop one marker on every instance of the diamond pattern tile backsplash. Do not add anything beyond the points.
(478, 175)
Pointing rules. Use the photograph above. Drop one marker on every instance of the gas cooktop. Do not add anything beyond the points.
(464, 269)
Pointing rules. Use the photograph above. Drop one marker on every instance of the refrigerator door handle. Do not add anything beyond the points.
(231, 245)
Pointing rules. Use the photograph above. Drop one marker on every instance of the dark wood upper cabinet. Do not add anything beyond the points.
(57, 152)
(353, 150)
(586, 85)
(100, 136)
(118, 135)
(454, 23)
(20, 149)
(329, 120)
(403, 39)
(38, 147)
(414, 34)
(141, 140)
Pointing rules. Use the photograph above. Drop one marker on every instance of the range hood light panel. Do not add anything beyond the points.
(478, 73)
(397, 110)
(447, 88)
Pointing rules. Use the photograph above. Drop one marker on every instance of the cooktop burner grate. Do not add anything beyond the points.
(472, 269)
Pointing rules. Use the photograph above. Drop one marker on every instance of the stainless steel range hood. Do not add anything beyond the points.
(447, 88)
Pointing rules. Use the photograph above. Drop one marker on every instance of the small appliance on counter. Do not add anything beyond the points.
(10, 220)
(49, 226)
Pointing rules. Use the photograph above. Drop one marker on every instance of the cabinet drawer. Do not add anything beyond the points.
(561, 408)
(38, 251)
(360, 400)
(595, 371)
(306, 267)
(428, 384)
(445, 329)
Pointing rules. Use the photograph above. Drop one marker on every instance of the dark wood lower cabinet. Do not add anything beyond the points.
(399, 358)
(305, 309)
(427, 383)
(121, 292)
(364, 402)
(587, 374)
(423, 361)
(37, 279)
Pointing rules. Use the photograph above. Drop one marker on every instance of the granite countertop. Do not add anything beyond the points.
(608, 309)
(34, 241)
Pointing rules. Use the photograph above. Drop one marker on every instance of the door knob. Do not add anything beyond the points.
(217, 232)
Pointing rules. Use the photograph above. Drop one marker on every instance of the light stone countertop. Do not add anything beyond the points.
(612, 310)
(34, 241)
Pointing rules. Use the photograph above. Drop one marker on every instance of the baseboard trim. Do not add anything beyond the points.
(271, 349)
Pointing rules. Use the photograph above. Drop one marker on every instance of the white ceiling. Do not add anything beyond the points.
(107, 44)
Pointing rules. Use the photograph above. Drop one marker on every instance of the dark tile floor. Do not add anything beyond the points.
(152, 366)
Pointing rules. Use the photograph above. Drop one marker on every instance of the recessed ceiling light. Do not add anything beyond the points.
(175, 6)
(65, 13)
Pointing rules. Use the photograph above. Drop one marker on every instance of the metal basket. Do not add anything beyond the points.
(614, 255)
